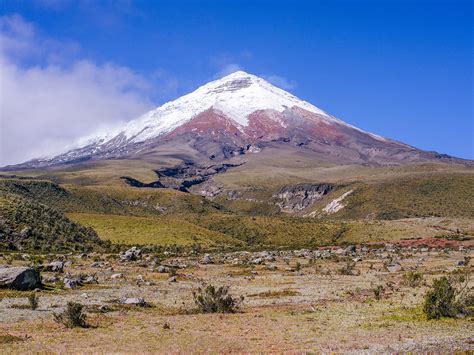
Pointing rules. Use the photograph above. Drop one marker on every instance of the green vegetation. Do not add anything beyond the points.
(28, 225)
(73, 316)
(449, 296)
(158, 230)
(210, 299)
(448, 195)
(413, 279)
(36, 212)
(33, 301)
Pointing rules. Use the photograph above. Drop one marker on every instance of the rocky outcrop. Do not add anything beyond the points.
(19, 278)
(182, 177)
(295, 198)
(336, 204)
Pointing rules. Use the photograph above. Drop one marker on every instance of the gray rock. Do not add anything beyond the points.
(51, 279)
(19, 278)
(340, 252)
(131, 254)
(135, 301)
(72, 282)
(163, 269)
(55, 266)
(460, 263)
(207, 259)
(351, 249)
(173, 279)
(394, 267)
(90, 279)
(116, 276)
(257, 261)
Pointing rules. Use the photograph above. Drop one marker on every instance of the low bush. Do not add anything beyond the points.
(73, 316)
(347, 269)
(33, 301)
(210, 299)
(449, 296)
(378, 291)
(412, 279)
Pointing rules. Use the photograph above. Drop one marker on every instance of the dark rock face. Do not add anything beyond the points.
(182, 177)
(19, 278)
(298, 197)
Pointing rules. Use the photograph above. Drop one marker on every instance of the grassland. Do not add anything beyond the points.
(387, 203)
(158, 230)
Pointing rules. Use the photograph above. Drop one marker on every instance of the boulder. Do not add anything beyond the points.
(163, 269)
(90, 279)
(55, 266)
(131, 254)
(19, 278)
(135, 301)
(207, 259)
(394, 267)
(52, 279)
(72, 282)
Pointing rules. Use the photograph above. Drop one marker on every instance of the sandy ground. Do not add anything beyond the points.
(311, 309)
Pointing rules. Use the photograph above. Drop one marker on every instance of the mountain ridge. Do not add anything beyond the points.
(239, 114)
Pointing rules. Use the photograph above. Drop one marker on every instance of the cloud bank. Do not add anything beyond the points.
(46, 108)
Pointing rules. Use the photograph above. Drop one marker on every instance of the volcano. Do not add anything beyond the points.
(240, 114)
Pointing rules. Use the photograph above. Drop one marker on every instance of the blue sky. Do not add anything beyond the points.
(401, 69)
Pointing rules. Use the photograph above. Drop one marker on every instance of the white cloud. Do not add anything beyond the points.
(49, 107)
(280, 81)
(229, 69)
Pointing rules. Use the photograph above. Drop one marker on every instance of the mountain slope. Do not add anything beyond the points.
(237, 115)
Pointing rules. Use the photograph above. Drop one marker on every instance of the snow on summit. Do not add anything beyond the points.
(236, 95)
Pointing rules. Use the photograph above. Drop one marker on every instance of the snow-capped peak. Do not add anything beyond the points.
(236, 95)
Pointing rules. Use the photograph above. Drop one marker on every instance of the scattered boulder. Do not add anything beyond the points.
(117, 276)
(173, 279)
(140, 279)
(351, 249)
(19, 278)
(90, 279)
(207, 259)
(394, 267)
(131, 254)
(134, 301)
(51, 279)
(163, 269)
(55, 266)
(72, 282)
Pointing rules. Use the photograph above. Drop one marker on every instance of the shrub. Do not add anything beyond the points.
(347, 269)
(413, 278)
(73, 316)
(216, 300)
(439, 301)
(378, 292)
(33, 301)
(449, 296)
